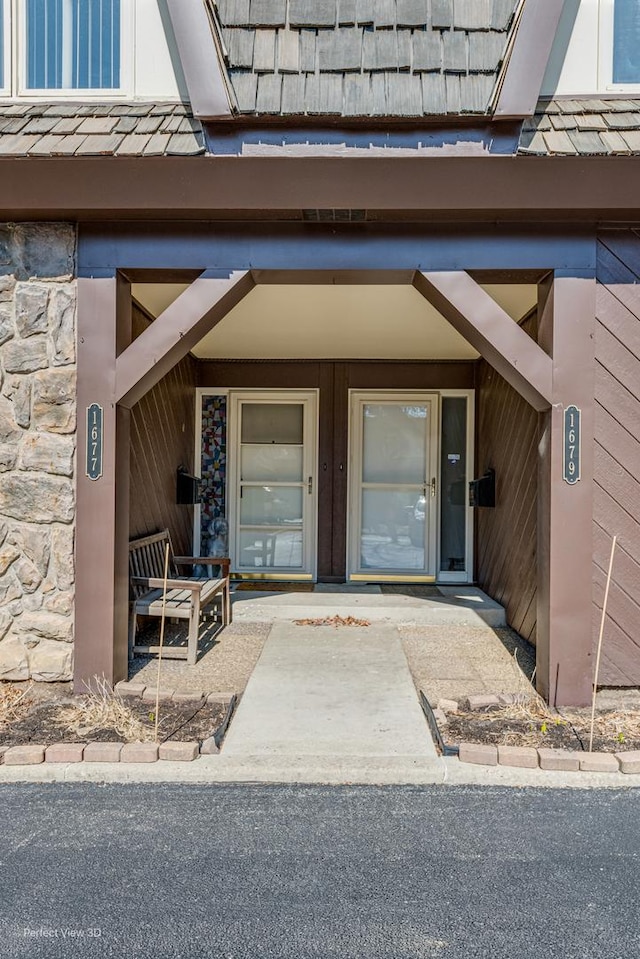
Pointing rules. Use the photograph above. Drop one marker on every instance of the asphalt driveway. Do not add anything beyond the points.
(237, 872)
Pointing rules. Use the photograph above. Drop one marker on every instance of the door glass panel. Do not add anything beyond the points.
(271, 505)
(394, 443)
(272, 423)
(453, 497)
(393, 529)
(275, 463)
(262, 549)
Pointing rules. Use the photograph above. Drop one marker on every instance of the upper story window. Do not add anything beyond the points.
(5, 47)
(619, 45)
(626, 42)
(72, 45)
(66, 48)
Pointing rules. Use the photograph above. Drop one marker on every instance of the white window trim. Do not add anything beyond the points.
(124, 91)
(605, 53)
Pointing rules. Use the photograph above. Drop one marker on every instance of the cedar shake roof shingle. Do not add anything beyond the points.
(359, 58)
(136, 129)
(585, 127)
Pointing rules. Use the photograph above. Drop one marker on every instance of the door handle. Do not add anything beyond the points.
(310, 485)
(433, 486)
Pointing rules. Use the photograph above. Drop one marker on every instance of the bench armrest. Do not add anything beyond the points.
(223, 561)
(153, 583)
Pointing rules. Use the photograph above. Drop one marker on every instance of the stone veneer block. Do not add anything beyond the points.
(64, 753)
(150, 694)
(479, 753)
(139, 753)
(129, 689)
(599, 763)
(194, 696)
(482, 701)
(28, 755)
(564, 760)
(179, 752)
(629, 761)
(524, 757)
(102, 752)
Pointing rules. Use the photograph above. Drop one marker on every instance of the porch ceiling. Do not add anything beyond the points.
(336, 322)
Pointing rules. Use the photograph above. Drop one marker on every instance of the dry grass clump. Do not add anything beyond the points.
(102, 709)
(14, 703)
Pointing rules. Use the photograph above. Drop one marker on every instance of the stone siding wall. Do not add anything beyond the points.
(37, 450)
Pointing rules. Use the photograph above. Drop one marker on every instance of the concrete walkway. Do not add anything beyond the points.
(327, 696)
(455, 605)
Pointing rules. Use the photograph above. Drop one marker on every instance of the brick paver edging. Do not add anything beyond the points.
(528, 757)
(31, 754)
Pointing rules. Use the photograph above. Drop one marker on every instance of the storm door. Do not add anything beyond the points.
(273, 509)
(393, 505)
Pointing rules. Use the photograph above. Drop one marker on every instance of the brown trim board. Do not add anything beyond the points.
(200, 58)
(528, 58)
(203, 188)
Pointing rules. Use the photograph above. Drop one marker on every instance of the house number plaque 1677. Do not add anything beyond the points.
(572, 438)
(94, 441)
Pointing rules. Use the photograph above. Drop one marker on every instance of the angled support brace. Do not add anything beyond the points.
(176, 331)
(486, 326)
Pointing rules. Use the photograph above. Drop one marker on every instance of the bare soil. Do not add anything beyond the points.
(45, 723)
(614, 731)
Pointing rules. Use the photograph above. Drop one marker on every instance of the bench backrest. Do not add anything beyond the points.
(146, 558)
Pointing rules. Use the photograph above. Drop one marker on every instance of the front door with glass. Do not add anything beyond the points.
(273, 518)
(393, 487)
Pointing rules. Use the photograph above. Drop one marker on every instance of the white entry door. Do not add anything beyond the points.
(393, 488)
(273, 513)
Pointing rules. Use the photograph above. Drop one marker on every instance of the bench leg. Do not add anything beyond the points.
(133, 620)
(194, 628)
(226, 600)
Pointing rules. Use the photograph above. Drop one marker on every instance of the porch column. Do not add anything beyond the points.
(102, 505)
(565, 511)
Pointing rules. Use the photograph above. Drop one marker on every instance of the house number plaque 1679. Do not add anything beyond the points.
(572, 438)
(94, 441)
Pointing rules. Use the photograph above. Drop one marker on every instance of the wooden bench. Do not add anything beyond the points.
(187, 597)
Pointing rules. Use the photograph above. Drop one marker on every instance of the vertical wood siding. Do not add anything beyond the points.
(617, 454)
(507, 434)
(162, 438)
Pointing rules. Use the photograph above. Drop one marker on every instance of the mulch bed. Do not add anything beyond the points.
(180, 722)
(569, 732)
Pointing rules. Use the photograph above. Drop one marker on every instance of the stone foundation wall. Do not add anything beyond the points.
(37, 450)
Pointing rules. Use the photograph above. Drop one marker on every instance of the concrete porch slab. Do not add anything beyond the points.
(457, 606)
(331, 694)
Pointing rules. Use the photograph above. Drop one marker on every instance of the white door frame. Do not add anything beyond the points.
(309, 399)
(357, 399)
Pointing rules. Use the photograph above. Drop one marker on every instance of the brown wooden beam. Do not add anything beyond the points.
(201, 59)
(565, 512)
(102, 505)
(527, 61)
(176, 331)
(492, 332)
(204, 188)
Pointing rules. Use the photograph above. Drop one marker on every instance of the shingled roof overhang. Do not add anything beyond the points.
(425, 189)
